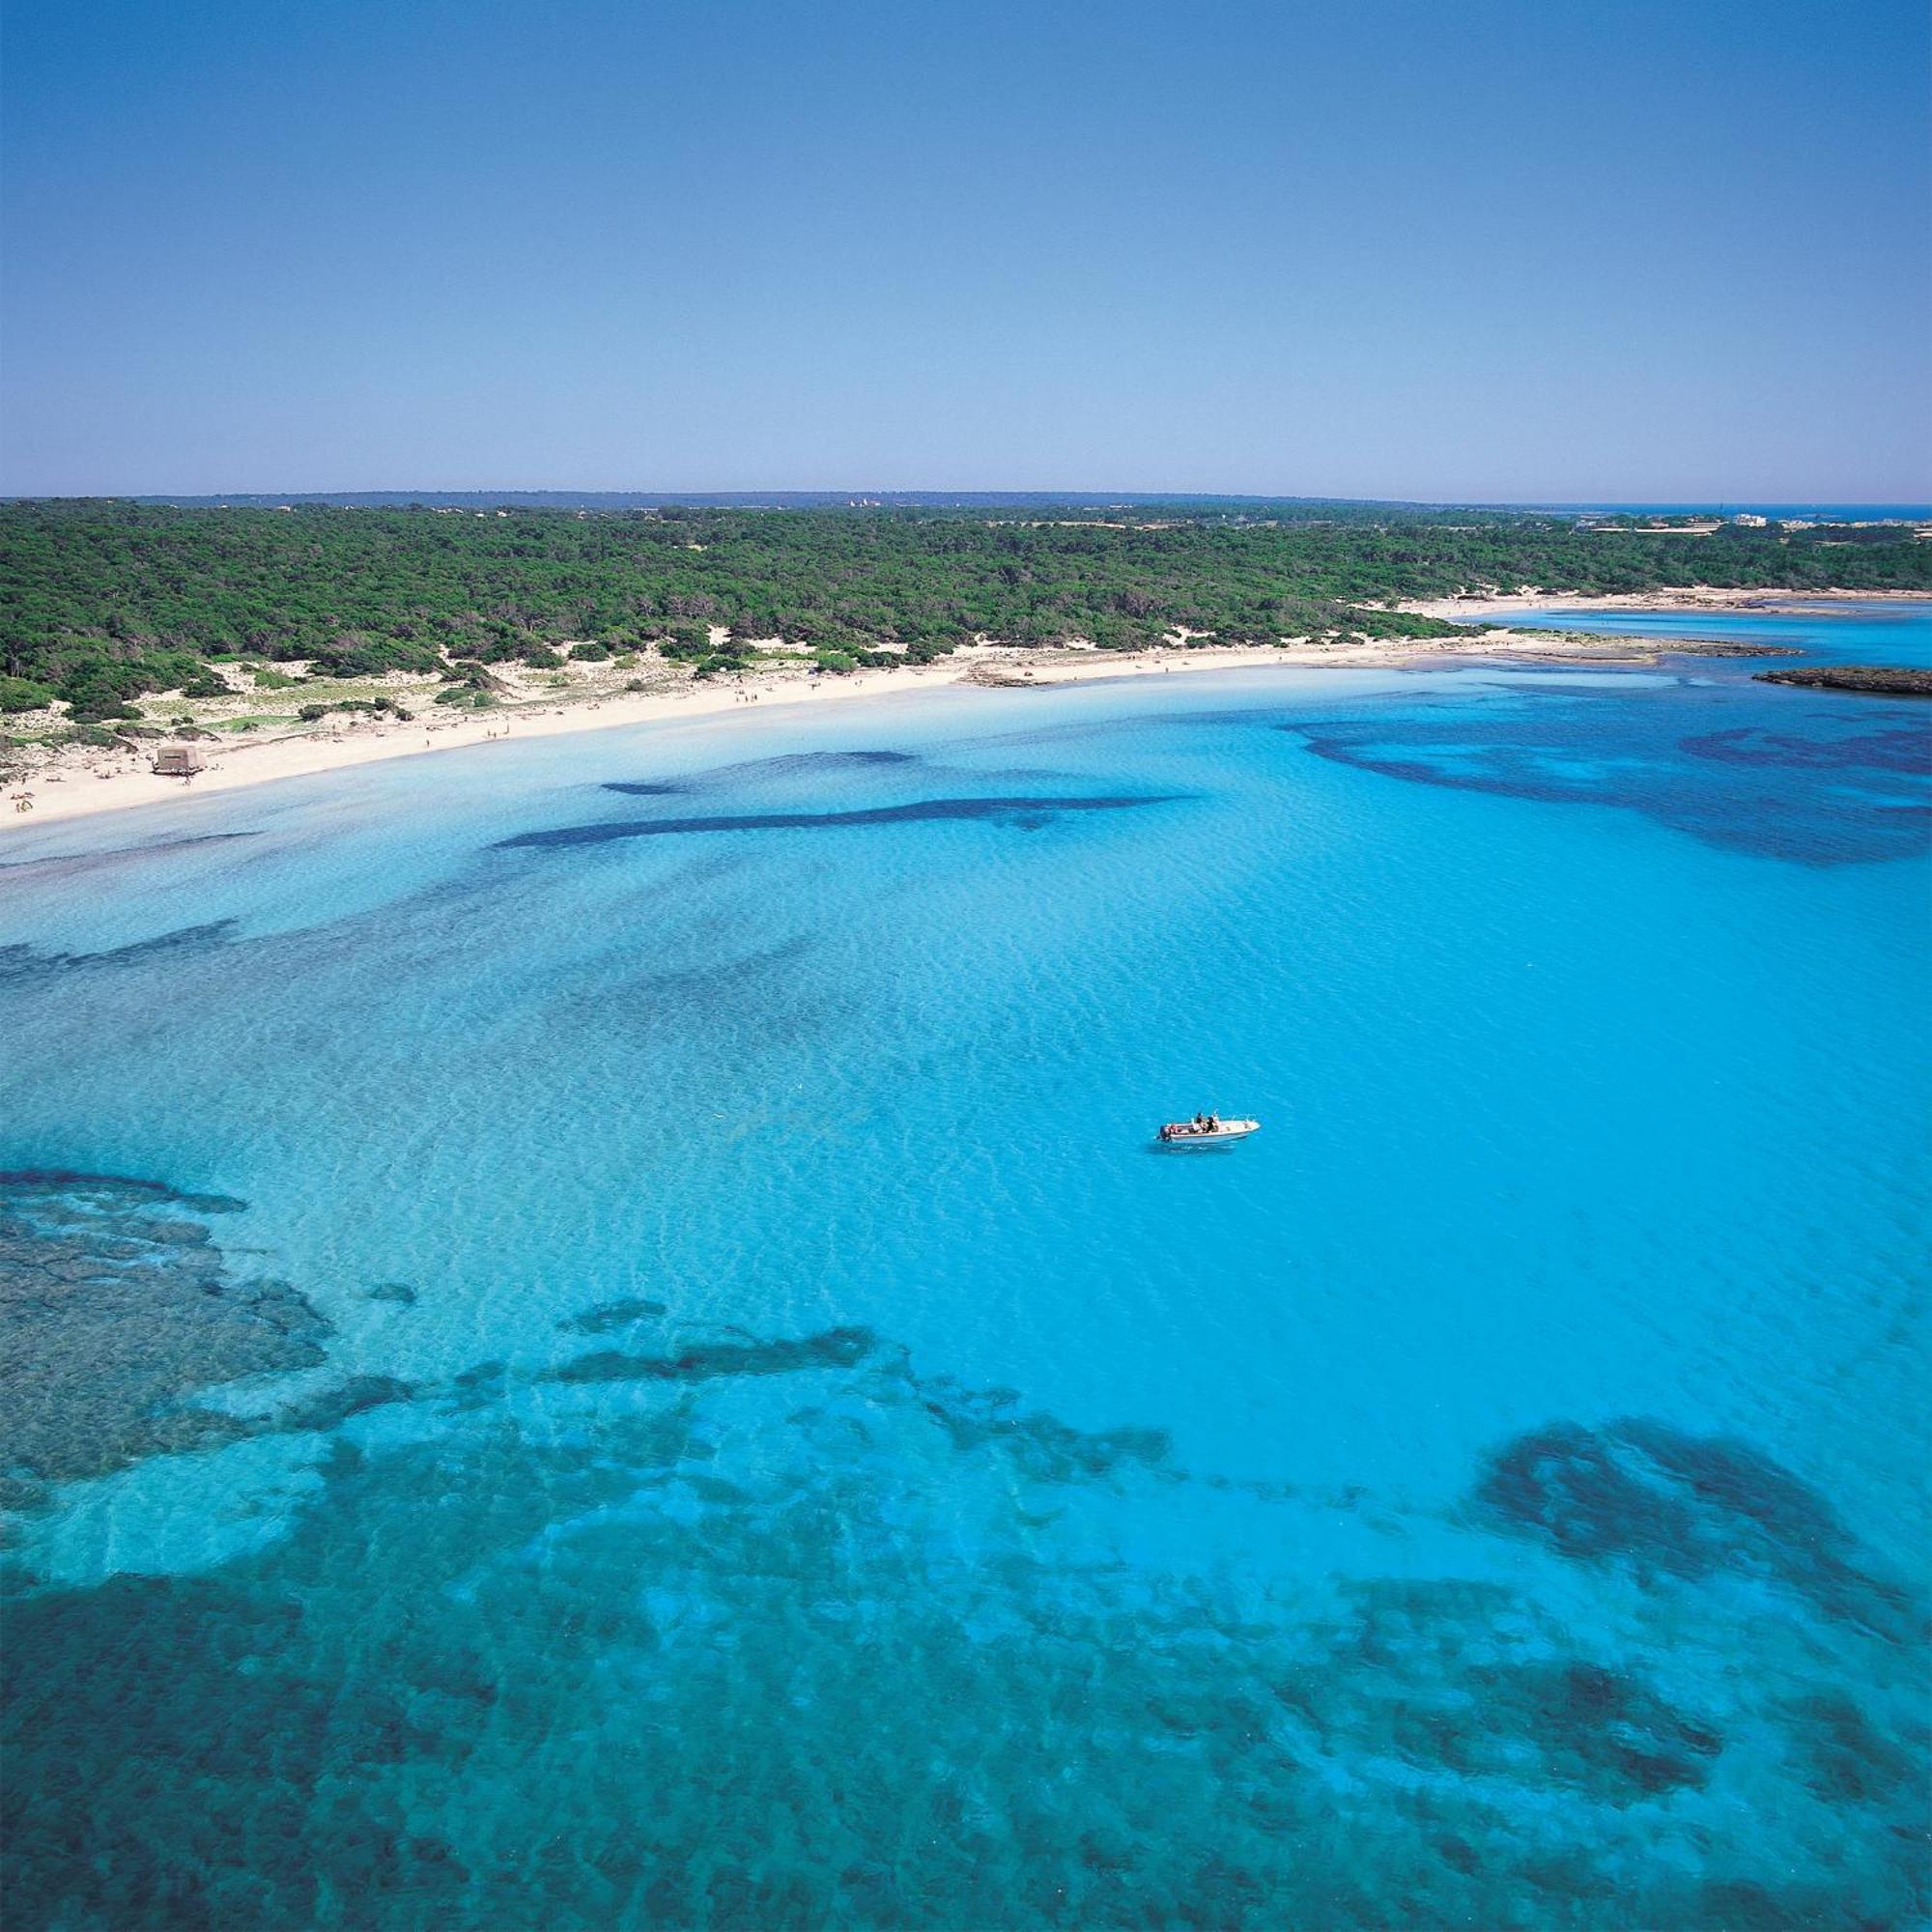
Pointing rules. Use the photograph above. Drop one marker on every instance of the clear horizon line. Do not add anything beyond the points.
(1058, 493)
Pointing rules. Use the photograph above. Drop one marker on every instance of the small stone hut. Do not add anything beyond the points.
(179, 762)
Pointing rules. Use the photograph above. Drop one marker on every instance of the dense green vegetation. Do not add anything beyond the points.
(101, 602)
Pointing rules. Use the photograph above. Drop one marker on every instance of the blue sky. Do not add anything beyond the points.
(1522, 250)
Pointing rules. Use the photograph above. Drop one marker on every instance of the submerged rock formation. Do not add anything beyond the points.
(117, 1305)
(1708, 648)
(1879, 680)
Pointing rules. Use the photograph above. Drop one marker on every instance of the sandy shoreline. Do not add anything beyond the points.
(1694, 597)
(88, 781)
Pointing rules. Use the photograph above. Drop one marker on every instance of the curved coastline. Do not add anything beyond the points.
(90, 781)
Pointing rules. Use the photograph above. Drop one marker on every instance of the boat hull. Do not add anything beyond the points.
(1225, 1135)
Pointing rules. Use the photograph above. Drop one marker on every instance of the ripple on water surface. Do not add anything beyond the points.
(651, 1377)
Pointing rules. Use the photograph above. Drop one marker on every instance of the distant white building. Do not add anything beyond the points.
(1750, 521)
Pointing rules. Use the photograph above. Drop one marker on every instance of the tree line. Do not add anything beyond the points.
(102, 601)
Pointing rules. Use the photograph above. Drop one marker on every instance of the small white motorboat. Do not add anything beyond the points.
(1206, 1130)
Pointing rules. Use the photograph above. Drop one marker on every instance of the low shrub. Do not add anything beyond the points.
(94, 707)
(685, 640)
(352, 656)
(370, 706)
(22, 693)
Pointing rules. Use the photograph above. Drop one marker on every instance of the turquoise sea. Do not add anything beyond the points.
(599, 1339)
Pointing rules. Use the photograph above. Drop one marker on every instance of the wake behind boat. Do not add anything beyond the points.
(1206, 1130)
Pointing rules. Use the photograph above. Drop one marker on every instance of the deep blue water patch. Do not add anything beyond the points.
(784, 768)
(1643, 1493)
(604, 1317)
(1024, 813)
(1902, 748)
(811, 764)
(57, 1181)
(1691, 754)
(27, 962)
(76, 864)
(835, 1348)
(805, 775)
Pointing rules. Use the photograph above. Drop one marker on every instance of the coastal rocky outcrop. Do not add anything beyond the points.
(1876, 680)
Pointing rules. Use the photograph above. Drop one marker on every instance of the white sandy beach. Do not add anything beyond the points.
(82, 781)
(1692, 597)
(86, 779)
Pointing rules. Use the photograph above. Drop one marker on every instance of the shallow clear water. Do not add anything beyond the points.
(1875, 630)
(751, 1433)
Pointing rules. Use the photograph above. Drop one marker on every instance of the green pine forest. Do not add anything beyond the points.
(102, 602)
